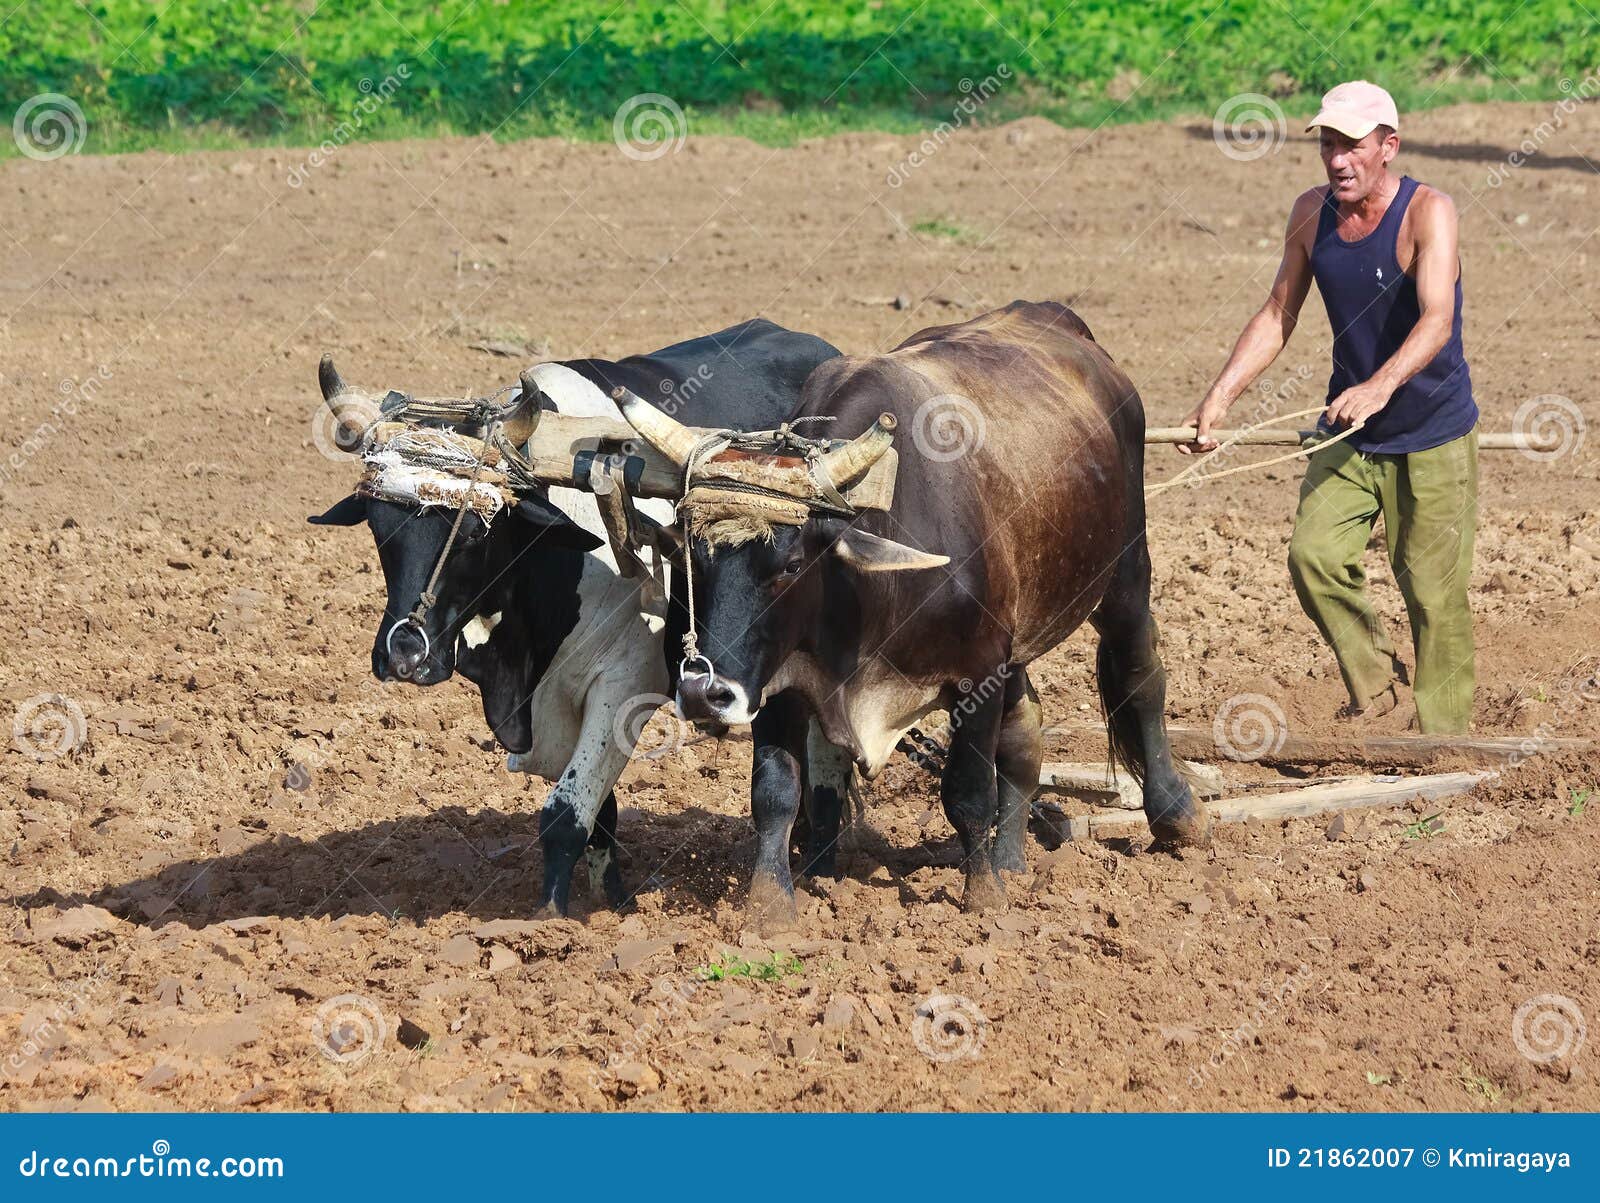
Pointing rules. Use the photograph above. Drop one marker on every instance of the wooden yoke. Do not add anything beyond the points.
(557, 441)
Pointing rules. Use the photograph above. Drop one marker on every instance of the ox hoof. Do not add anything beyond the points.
(550, 911)
(984, 892)
(605, 879)
(771, 909)
(1188, 831)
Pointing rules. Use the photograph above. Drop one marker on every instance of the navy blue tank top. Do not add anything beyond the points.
(1372, 307)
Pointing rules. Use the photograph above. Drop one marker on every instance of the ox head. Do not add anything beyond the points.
(505, 543)
(774, 557)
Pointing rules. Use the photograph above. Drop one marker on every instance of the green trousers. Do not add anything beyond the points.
(1429, 503)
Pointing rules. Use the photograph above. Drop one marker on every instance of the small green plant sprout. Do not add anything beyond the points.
(940, 227)
(1480, 1086)
(774, 968)
(1576, 800)
(1377, 1079)
(1426, 826)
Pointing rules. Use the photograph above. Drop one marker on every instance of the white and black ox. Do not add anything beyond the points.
(986, 560)
(530, 603)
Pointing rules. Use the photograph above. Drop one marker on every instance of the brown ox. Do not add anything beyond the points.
(1000, 542)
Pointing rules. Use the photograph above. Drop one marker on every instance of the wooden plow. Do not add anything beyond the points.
(1118, 797)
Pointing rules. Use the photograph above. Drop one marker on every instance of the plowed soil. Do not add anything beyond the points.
(239, 873)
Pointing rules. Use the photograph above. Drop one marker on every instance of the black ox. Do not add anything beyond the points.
(530, 604)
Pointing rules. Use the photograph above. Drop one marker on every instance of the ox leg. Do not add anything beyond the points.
(605, 874)
(969, 792)
(1133, 692)
(779, 734)
(576, 801)
(828, 773)
(1018, 758)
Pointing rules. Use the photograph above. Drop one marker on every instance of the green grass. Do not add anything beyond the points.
(216, 73)
(776, 967)
(1426, 827)
(1577, 800)
(1479, 1085)
(950, 231)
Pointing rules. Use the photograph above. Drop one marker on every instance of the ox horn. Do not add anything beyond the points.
(668, 436)
(519, 425)
(352, 410)
(846, 464)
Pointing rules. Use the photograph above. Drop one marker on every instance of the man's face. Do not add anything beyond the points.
(1355, 166)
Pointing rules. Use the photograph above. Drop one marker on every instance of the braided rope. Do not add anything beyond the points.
(1299, 453)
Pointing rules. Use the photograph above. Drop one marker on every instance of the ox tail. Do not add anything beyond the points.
(1123, 729)
(1126, 740)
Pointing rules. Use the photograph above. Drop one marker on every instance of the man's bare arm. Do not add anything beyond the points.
(1435, 228)
(1268, 331)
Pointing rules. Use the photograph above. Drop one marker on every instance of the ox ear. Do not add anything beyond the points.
(554, 528)
(872, 553)
(352, 511)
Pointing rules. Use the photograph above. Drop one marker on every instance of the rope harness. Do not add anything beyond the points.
(768, 442)
(1300, 453)
(417, 447)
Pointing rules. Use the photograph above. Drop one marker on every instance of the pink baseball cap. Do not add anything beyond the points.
(1356, 109)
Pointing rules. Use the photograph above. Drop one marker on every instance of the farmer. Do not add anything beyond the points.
(1382, 249)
